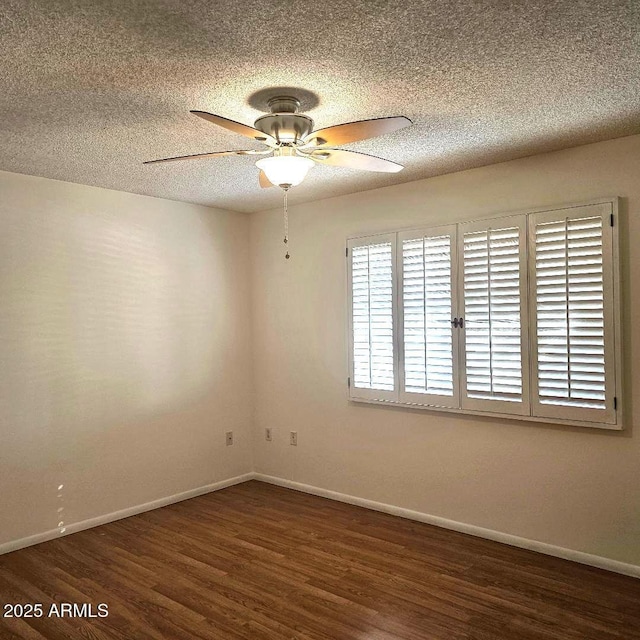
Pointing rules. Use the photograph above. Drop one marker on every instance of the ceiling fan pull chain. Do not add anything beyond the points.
(286, 224)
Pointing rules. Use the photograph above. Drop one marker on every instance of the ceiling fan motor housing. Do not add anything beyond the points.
(284, 123)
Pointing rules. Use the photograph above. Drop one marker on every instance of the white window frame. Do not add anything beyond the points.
(614, 420)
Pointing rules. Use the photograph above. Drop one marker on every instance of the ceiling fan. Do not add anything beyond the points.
(294, 147)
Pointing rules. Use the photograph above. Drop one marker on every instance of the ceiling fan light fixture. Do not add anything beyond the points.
(285, 170)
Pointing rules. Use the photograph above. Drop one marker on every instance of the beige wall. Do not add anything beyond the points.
(570, 487)
(124, 351)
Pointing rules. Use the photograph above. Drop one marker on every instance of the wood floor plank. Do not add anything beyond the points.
(259, 562)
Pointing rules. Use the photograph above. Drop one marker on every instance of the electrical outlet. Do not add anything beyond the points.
(267, 434)
(229, 435)
(293, 438)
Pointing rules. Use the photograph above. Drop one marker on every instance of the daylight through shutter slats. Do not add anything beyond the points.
(428, 360)
(570, 312)
(372, 308)
(492, 314)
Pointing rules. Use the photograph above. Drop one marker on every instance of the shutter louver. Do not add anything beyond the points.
(492, 314)
(427, 314)
(570, 312)
(372, 309)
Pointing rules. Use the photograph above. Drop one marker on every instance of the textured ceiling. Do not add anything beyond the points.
(89, 89)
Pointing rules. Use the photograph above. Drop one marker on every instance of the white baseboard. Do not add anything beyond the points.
(489, 534)
(14, 545)
(505, 538)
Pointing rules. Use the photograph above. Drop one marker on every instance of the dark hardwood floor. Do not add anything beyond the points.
(258, 562)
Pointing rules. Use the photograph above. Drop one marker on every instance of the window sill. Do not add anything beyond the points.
(487, 414)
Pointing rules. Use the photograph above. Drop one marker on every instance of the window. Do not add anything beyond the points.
(574, 320)
(372, 317)
(428, 351)
(494, 311)
(515, 316)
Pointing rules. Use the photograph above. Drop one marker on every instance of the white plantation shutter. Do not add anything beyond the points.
(538, 295)
(570, 257)
(493, 289)
(371, 277)
(428, 354)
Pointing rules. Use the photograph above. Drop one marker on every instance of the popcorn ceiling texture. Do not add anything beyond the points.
(91, 88)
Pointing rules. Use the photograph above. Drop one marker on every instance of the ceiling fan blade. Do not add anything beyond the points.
(214, 154)
(354, 131)
(353, 160)
(237, 127)
(265, 183)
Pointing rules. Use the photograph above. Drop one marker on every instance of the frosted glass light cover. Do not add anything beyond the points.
(282, 170)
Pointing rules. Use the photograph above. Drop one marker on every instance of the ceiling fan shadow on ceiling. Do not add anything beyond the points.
(293, 146)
